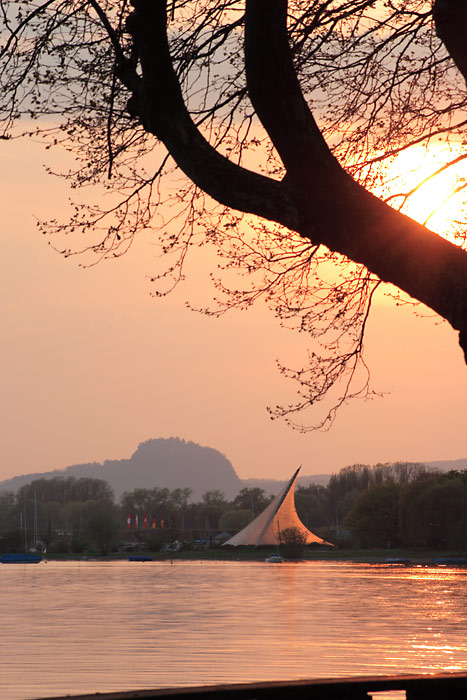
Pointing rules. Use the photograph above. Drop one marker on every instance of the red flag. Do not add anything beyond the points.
(136, 521)
(145, 521)
(153, 522)
(128, 520)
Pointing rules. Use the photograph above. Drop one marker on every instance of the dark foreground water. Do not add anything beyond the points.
(77, 627)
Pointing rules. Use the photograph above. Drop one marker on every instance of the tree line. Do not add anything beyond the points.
(386, 505)
(68, 514)
(389, 505)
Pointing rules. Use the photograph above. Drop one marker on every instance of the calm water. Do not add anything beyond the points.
(76, 627)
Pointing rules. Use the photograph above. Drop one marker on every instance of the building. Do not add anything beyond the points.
(278, 516)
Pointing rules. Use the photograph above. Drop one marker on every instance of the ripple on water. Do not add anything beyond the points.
(78, 627)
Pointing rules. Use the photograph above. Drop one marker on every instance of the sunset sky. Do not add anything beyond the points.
(93, 365)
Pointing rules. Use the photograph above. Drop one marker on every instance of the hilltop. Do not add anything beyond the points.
(167, 463)
(175, 463)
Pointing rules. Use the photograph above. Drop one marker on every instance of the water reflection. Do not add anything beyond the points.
(75, 627)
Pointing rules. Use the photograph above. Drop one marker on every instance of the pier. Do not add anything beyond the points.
(442, 686)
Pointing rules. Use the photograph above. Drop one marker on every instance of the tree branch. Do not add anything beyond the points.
(159, 104)
(318, 199)
(275, 92)
(335, 210)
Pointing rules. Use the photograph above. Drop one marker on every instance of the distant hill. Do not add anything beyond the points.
(175, 463)
(273, 486)
(447, 464)
(167, 463)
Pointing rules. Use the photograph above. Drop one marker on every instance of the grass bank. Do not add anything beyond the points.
(251, 554)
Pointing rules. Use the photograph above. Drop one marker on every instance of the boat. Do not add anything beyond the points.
(274, 559)
(25, 557)
(397, 560)
(22, 558)
(451, 561)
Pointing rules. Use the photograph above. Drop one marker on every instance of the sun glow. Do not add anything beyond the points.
(430, 186)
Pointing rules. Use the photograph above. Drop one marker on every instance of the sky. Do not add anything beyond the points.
(92, 364)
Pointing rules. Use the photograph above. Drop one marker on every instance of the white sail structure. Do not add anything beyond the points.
(279, 515)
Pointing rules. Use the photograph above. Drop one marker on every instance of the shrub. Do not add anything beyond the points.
(293, 543)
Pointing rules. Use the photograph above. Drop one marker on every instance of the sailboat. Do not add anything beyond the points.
(276, 558)
(25, 557)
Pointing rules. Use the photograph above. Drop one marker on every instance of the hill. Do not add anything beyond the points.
(175, 463)
(447, 464)
(167, 463)
(273, 486)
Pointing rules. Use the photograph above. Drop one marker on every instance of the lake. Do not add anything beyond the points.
(78, 627)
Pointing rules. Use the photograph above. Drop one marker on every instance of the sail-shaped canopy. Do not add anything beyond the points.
(279, 515)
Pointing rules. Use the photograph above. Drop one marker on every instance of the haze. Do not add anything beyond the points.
(92, 365)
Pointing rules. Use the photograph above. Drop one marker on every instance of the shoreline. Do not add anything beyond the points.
(389, 557)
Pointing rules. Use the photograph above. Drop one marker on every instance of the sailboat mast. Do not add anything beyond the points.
(35, 518)
(25, 530)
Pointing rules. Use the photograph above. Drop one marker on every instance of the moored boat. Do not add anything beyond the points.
(22, 558)
(275, 559)
(451, 561)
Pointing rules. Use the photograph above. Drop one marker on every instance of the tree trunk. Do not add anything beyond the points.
(450, 18)
(317, 198)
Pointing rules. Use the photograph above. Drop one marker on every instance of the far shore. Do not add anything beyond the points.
(370, 556)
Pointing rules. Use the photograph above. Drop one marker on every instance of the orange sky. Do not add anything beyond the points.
(92, 365)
